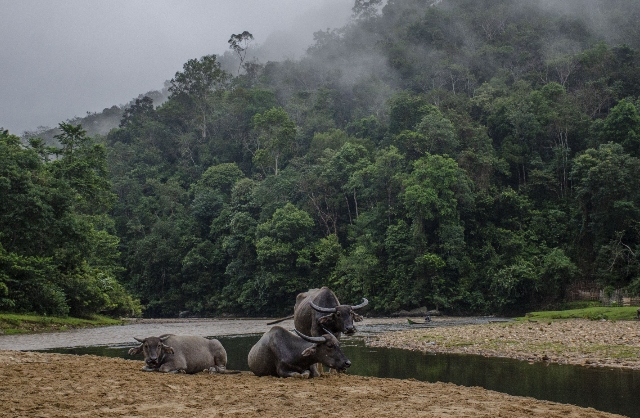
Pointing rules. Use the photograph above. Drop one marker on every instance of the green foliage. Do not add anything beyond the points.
(606, 188)
(196, 84)
(439, 133)
(622, 125)
(472, 156)
(595, 313)
(275, 142)
(21, 324)
(57, 256)
(283, 251)
(138, 112)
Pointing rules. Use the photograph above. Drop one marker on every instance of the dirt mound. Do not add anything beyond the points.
(45, 385)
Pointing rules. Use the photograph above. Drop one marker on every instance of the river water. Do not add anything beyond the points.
(610, 390)
(122, 334)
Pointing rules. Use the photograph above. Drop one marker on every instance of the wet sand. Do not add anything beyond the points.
(56, 385)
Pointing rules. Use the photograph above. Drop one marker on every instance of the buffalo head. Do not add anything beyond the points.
(340, 318)
(327, 350)
(153, 348)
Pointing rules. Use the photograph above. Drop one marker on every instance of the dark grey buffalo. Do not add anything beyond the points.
(284, 354)
(318, 311)
(182, 354)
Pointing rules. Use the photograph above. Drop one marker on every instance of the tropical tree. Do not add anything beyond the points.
(240, 44)
(57, 253)
(608, 211)
(275, 134)
(197, 83)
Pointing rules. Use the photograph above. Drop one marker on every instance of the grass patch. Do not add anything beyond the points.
(459, 344)
(25, 324)
(622, 313)
(580, 304)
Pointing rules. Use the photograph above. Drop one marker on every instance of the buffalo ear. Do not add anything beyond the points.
(135, 350)
(326, 319)
(167, 349)
(357, 318)
(309, 351)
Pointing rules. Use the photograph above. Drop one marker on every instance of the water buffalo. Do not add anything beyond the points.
(318, 310)
(283, 354)
(182, 354)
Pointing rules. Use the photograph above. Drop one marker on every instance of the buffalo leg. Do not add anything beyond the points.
(217, 369)
(284, 372)
(165, 368)
(303, 375)
(320, 369)
(313, 370)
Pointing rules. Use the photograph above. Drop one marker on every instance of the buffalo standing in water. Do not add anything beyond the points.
(319, 310)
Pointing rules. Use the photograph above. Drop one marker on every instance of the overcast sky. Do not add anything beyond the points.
(62, 58)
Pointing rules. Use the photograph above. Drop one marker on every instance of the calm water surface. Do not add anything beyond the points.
(604, 389)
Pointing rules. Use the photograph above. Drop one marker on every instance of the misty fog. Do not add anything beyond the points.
(61, 59)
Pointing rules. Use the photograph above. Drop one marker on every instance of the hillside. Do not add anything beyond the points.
(468, 155)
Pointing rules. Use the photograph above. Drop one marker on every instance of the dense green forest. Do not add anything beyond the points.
(58, 251)
(475, 156)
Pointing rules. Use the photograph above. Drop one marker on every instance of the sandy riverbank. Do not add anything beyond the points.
(576, 341)
(54, 385)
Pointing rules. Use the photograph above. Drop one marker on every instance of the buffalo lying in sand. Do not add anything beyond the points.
(283, 354)
(182, 354)
(318, 311)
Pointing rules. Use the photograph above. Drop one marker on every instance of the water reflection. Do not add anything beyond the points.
(609, 390)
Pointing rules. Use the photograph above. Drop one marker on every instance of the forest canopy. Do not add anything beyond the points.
(474, 156)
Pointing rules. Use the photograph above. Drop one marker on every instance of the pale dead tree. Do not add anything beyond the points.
(458, 74)
(593, 97)
(621, 250)
(493, 26)
(563, 67)
(561, 57)
(562, 145)
(327, 215)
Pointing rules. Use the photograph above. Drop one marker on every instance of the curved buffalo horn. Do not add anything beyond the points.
(364, 303)
(310, 339)
(326, 331)
(321, 309)
(164, 338)
(139, 339)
